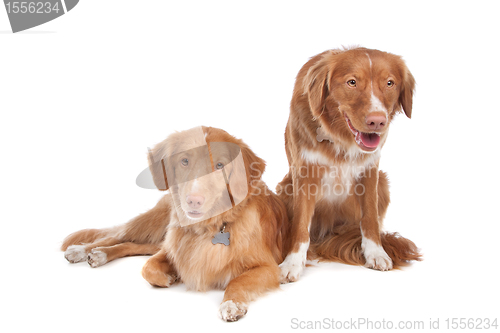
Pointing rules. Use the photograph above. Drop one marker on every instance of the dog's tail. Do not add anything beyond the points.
(346, 248)
(83, 237)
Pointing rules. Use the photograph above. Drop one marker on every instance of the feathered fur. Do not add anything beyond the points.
(258, 227)
(348, 96)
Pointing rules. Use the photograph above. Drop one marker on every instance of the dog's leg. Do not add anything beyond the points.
(148, 227)
(244, 288)
(306, 189)
(371, 244)
(78, 253)
(100, 255)
(158, 271)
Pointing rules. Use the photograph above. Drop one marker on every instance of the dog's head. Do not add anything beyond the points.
(356, 93)
(207, 171)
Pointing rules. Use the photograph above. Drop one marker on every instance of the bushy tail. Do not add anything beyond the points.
(83, 237)
(346, 248)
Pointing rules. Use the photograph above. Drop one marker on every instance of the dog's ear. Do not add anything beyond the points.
(316, 86)
(254, 165)
(158, 166)
(238, 176)
(316, 82)
(244, 168)
(406, 93)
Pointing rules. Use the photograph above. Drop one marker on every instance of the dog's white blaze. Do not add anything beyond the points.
(370, 60)
(376, 104)
(195, 186)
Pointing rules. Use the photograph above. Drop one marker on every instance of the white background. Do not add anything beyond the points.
(83, 96)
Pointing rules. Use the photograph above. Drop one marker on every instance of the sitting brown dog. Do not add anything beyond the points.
(342, 105)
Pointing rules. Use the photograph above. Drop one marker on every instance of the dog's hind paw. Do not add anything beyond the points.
(97, 258)
(231, 311)
(75, 253)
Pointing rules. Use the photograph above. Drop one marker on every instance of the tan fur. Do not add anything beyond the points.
(323, 99)
(144, 230)
(246, 268)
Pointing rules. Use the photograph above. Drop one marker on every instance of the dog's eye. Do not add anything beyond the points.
(185, 161)
(219, 166)
(390, 83)
(351, 83)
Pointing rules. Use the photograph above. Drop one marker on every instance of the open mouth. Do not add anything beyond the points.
(195, 214)
(366, 141)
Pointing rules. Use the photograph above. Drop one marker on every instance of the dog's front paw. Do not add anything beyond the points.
(231, 311)
(97, 258)
(75, 253)
(376, 257)
(290, 272)
(156, 277)
(293, 265)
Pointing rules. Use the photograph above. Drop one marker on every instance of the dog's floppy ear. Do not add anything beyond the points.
(158, 166)
(406, 94)
(254, 165)
(316, 86)
(237, 179)
(316, 82)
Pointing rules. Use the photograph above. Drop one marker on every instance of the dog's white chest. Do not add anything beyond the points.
(339, 182)
(340, 179)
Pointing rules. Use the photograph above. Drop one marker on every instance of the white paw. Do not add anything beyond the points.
(230, 311)
(375, 256)
(75, 253)
(293, 265)
(97, 258)
(290, 272)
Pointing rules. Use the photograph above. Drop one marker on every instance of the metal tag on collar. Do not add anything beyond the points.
(221, 237)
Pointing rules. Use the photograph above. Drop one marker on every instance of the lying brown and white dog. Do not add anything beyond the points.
(219, 226)
(342, 105)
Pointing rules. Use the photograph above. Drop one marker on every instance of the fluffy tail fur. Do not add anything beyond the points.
(346, 248)
(83, 237)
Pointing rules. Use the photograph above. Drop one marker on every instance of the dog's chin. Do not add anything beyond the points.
(194, 214)
(367, 142)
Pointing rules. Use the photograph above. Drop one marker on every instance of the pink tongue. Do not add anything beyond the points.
(370, 140)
